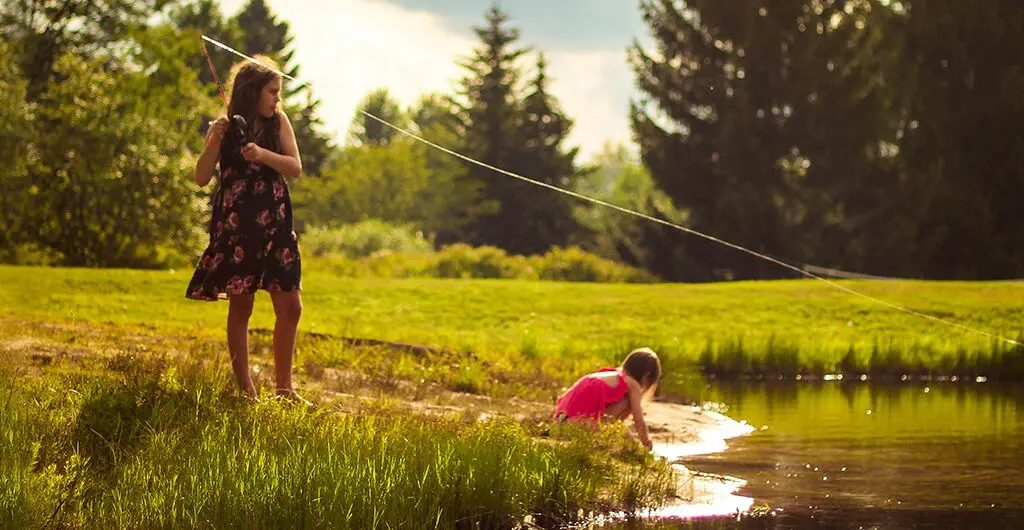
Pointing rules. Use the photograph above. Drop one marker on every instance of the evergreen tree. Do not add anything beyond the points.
(749, 122)
(204, 17)
(544, 215)
(618, 178)
(524, 134)
(488, 114)
(264, 34)
(435, 119)
(962, 146)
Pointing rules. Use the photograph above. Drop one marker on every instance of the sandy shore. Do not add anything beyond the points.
(679, 431)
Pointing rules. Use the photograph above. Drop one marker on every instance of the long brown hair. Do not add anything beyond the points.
(247, 82)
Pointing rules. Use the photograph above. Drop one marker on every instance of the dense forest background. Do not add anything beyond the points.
(874, 136)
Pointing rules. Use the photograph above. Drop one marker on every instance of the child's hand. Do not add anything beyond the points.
(215, 133)
(253, 152)
(649, 444)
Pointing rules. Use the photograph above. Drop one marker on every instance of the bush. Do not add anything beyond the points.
(574, 265)
(364, 239)
(30, 254)
(463, 261)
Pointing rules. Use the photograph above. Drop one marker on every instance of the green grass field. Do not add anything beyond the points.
(787, 326)
(118, 409)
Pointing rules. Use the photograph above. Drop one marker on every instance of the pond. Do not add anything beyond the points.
(842, 454)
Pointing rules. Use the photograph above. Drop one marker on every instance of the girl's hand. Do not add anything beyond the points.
(215, 133)
(648, 444)
(253, 152)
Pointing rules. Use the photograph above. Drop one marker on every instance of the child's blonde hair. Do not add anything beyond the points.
(643, 362)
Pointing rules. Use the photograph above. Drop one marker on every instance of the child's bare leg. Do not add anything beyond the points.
(288, 309)
(239, 311)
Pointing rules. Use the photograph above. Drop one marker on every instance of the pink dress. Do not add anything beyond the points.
(590, 396)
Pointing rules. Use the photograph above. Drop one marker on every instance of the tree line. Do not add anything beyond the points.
(874, 136)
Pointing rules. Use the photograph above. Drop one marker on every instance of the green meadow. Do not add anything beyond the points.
(787, 327)
(118, 408)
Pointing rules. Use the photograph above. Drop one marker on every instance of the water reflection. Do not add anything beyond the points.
(852, 454)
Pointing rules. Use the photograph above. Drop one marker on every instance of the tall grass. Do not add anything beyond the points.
(153, 444)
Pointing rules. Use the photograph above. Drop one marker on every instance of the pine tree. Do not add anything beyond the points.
(618, 178)
(749, 122)
(544, 215)
(962, 145)
(488, 112)
(264, 34)
(522, 133)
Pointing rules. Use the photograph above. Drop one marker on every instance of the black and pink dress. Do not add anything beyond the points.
(252, 242)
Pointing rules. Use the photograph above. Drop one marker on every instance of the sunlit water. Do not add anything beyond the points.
(860, 456)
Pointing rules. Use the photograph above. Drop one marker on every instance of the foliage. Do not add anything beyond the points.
(852, 134)
(391, 183)
(43, 31)
(463, 261)
(17, 149)
(363, 239)
(394, 178)
(204, 17)
(110, 185)
(617, 178)
(961, 144)
(574, 265)
(367, 131)
(757, 119)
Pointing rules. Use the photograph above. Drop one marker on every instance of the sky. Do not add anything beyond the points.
(346, 48)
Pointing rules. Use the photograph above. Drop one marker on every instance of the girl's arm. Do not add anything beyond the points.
(636, 407)
(287, 163)
(211, 151)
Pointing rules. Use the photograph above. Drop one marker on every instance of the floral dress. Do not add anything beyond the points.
(252, 243)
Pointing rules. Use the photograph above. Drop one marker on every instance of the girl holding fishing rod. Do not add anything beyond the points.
(252, 242)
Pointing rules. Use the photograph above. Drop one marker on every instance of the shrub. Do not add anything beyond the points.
(363, 239)
(574, 265)
(463, 261)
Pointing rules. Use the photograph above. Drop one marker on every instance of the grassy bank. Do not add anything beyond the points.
(129, 427)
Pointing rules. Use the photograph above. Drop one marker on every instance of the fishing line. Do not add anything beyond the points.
(641, 215)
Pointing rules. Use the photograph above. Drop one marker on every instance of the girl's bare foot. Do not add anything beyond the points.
(294, 397)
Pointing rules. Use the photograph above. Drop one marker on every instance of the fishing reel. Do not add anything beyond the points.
(235, 139)
(236, 131)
